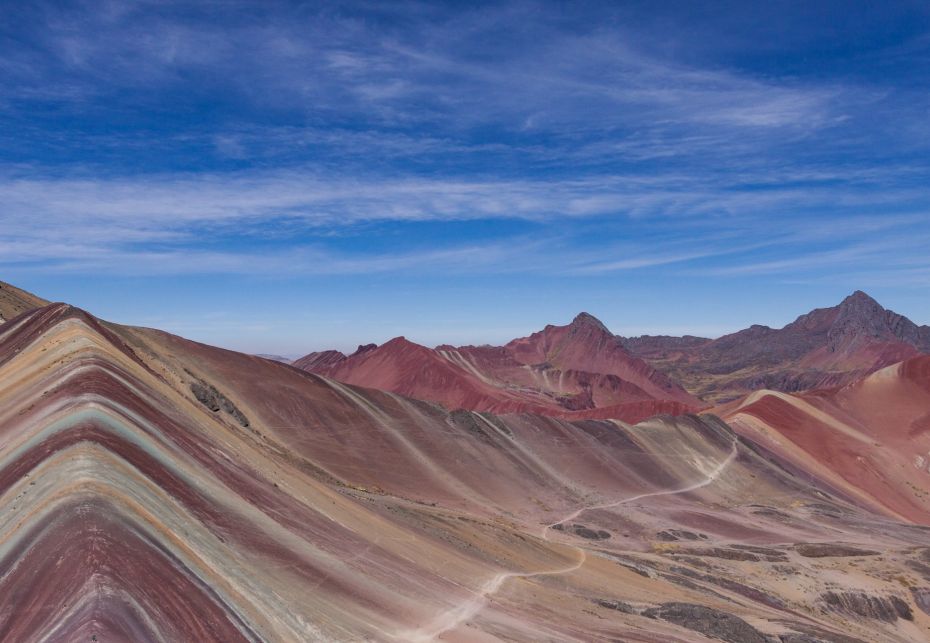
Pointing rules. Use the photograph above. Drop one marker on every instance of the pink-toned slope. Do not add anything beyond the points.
(409, 369)
(577, 370)
(871, 438)
(317, 361)
(586, 345)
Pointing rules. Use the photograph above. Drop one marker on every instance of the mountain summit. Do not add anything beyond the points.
(583, 319)
(825, 347)
(580, 369)
(860, 318)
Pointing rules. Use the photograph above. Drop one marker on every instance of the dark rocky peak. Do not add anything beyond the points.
(856, 313)
(859, 317)
(860, 304)
(587, 320)
(364, 348)
(859, 297)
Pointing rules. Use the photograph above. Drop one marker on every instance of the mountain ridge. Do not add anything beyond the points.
(824, 347)
(579, 368)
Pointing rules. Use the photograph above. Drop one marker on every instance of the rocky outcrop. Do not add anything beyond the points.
(583, 532)
(671, 535)
(211, 398)
(749, 554)
(881, 608)
(826, 550)
(921, 597)
(617, 606)
(590, 534)
(708, 621)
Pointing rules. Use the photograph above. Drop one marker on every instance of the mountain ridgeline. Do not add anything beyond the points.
(826, 347)
(153, 488)
(582, 369)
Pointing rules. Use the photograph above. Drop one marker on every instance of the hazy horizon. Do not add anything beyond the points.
(433, 340)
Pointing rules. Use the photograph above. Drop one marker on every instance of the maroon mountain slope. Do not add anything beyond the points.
(825, 347)
(871, 438)
(579, 369)
(319, 360)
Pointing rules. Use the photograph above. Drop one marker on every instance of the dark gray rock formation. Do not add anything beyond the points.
(707, 621)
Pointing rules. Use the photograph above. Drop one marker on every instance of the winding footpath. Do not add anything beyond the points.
(453, 618)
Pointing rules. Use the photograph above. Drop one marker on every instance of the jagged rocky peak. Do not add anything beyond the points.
(365, 348)
(861, 303)
(860, 316)
(584, 319)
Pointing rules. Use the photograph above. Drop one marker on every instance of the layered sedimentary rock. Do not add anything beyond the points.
(153, 488)
(579, 370)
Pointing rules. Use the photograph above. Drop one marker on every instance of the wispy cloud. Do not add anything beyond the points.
(330, 60)
(175, 138)
(219, 223)
(165, 202)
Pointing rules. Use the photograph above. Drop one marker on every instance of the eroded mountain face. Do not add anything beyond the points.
(827, 347)
(584, 369)
(578, 370)
(153, 488)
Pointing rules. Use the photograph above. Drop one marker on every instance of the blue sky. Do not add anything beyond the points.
(282, 177)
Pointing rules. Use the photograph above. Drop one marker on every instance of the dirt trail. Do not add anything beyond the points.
(711, 477)
(453, 618)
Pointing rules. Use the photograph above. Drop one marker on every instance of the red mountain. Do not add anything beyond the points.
(870, 439)
(580, 369)
(825, 347)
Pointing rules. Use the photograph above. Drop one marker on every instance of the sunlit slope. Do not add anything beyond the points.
(15, 301)
(870, 439)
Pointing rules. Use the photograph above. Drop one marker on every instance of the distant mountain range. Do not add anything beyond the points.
(577, 370)
(825, 347)
(583, 370)
(153, 488)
